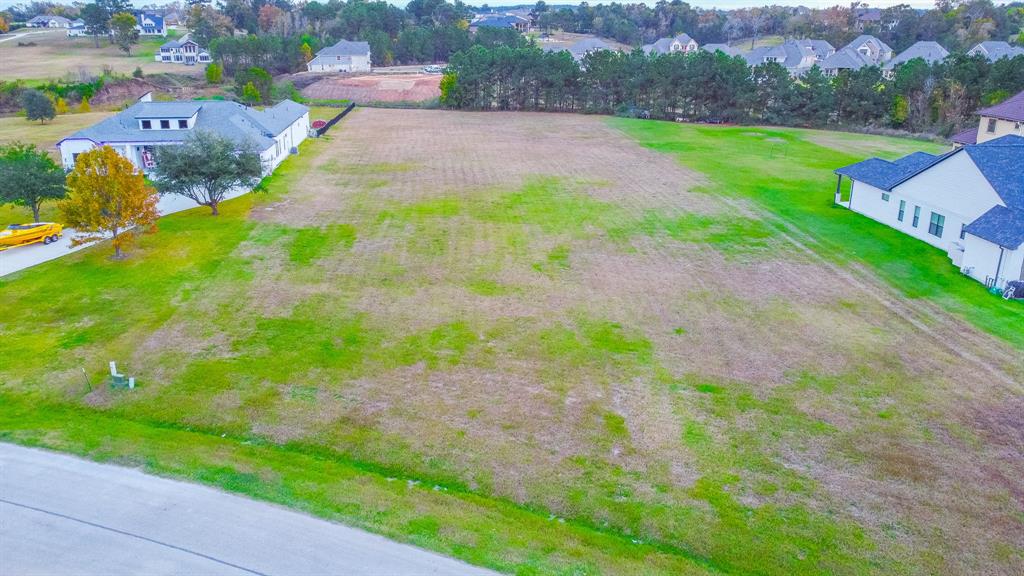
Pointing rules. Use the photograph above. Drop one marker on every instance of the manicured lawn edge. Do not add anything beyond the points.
(485, 531)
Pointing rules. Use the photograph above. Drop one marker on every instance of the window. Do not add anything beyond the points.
(182, 124)
(963, 231)
(938, 222)
(885, 196)
(903, 210)
(147, 125)
(991, 125)
(917, 216)
(165, 124)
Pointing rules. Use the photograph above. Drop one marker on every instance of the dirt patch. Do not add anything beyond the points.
(376, 88)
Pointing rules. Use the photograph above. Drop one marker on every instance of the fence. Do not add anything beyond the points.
(333, 121)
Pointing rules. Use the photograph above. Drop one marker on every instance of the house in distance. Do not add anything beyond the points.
(345, 56)
(1004, 118)
(184, 50)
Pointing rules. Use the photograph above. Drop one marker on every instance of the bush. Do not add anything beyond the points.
(138, 73)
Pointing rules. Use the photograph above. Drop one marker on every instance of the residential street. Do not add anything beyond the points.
(64, 515)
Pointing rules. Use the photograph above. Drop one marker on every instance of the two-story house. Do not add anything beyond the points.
(926, 50)
(137, 131)
(184, 50)
(345, 56)
(968, 202)
(1004, 118)
(681, 43)
(796, 56)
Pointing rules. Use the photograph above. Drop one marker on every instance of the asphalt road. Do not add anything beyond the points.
(63, 515)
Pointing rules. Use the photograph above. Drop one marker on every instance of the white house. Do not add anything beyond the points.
(345, 56)
(184, 50)
(135, 132)
(150, 24)
(510, 21)
(968, 202)
(48, 21)
(681, 43)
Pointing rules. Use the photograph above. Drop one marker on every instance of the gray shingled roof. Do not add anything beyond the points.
(178, 43)
(999, 161)
(846, 59)
(927, 50)
(586, 45)
(229, 119)
(996, 49)
(969, 136)
(1001, 226)
(664, 45)
(724, 48)
(884, 174)
(346, 48)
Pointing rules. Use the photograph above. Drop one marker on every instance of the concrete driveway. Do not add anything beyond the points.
(64, 515)
(22, 257)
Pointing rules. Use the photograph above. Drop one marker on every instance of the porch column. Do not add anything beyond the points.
(839, 190)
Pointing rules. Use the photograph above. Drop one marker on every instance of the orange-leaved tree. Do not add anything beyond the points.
(108, 197)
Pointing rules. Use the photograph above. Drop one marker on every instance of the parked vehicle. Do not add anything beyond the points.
(23, 234)
(433, 69)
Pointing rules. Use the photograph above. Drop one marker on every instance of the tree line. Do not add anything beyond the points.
(715, 87)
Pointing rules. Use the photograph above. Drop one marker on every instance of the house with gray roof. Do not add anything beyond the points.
(682, 43)
(345, 56)
(968, 202)
(150, 24)
(48, 21)
(135, 132)
(510, 21)
(865, 50)
(930, 52)
(995, 49)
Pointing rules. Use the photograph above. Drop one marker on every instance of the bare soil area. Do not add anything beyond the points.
(376, 88)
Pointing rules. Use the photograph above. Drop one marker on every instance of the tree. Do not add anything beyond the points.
(125, 33)
(251, 94)
(60, 106)
(28, 177)
(307, 52)
(270, 17)
(4, 26)
(207, 24)
(84, 106)
(254, 85)
(97, 21)
(214, 73)
(37, 106)
(206, 168)
(108, 197)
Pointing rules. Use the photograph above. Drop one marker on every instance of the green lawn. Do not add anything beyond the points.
(787, 173)
(528, 346)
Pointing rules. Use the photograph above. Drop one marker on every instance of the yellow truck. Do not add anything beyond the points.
(23, 234)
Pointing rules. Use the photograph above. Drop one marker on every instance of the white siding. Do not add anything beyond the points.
(982, 258)
(69, 148)
(954, 188)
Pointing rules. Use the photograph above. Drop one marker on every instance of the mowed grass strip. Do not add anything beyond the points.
(789, 173)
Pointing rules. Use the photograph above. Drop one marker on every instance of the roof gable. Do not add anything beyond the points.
(999, 161)
(1001, 226)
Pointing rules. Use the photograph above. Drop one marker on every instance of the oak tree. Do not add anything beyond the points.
(206, 167)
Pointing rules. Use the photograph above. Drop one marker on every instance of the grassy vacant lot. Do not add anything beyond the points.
(529, 341)
(57, 56)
